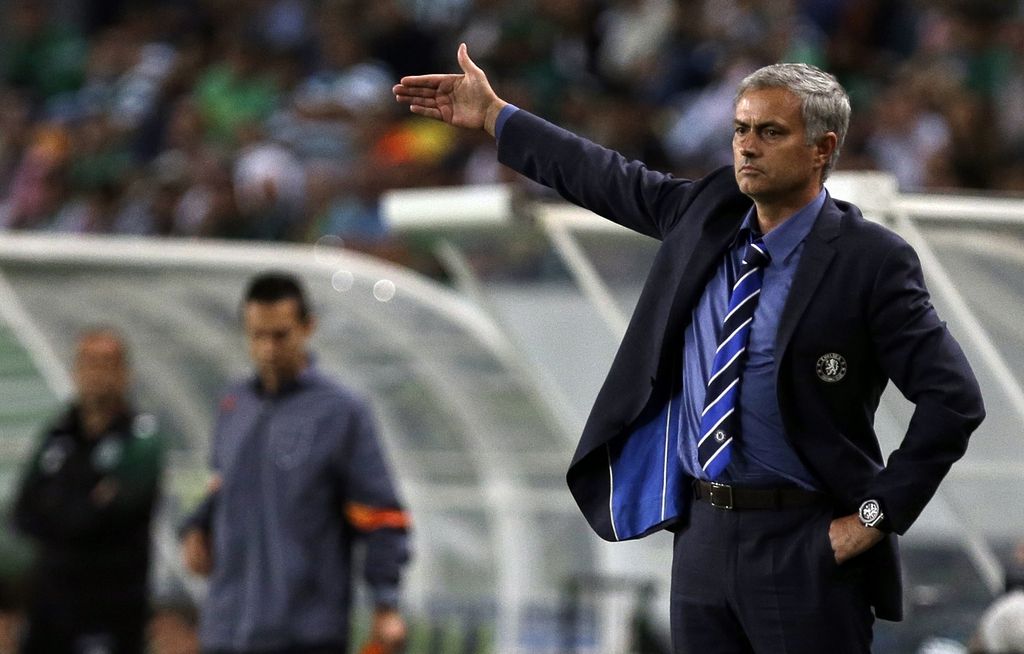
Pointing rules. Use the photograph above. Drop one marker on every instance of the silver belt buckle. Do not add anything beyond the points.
(720, 496)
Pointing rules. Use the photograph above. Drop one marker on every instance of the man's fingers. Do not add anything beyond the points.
(413, 91)
(430, 103)
(413, 100)
(426, 111)
(425, 81)
(196, 554)
(465, 63)
(850, 538)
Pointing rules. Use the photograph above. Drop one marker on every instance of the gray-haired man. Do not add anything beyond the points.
(739, 409)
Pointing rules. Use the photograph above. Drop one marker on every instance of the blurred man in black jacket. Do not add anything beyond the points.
(87, 500)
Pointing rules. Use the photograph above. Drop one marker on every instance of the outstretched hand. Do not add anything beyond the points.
(465, 100)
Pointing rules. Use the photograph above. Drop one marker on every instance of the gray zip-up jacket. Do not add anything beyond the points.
(304, 477)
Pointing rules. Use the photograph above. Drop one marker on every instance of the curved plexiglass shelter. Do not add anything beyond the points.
(481, 384)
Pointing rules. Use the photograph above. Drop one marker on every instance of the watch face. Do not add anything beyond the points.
(870, 512)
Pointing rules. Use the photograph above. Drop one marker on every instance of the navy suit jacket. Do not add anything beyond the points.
(858, 292)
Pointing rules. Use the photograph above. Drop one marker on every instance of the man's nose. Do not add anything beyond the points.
(265, 349)
(747, 145)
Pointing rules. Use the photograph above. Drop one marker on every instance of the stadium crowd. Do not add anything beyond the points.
(273, 119)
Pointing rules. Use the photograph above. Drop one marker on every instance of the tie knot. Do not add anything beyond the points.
(757, 255)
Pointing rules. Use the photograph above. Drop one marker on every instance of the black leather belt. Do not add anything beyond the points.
(723, 496)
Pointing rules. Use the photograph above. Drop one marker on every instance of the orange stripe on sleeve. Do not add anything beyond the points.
(368, 518)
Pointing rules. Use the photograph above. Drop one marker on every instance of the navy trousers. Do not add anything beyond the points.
(765, 582)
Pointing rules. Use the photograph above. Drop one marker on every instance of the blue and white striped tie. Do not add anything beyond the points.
(719, 423)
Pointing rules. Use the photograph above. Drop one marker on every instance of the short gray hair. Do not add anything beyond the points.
(824, 104)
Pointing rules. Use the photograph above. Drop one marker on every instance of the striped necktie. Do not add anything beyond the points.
(719, 422)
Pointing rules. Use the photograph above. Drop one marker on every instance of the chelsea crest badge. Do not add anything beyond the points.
(831, 367)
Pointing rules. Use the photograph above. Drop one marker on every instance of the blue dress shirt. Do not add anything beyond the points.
(761, 456)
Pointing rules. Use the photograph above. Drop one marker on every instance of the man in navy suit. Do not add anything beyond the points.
(792, 546)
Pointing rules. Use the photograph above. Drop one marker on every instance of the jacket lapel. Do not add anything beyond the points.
(701, 264)
(814, 262)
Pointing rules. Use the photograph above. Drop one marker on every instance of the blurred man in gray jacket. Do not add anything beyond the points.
(299, 477)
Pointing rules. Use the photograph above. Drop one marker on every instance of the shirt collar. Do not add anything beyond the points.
(71, 422)
(306, 376)
(782, 241)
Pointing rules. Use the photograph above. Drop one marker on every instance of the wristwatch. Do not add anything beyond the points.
(870, 513)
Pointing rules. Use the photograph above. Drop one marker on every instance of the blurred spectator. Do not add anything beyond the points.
(38, 188)
(1001, 629)
(237, 91)
(299, 481)
(701, 135)
(285, 24)
(341, 200)
(87, 500)
(150, 207)
(269, 184)
(208, 207)
(395, 37)
(908, 134)
(92, 93)
(14, 132)
(633, 33)
(346, 88)
(41, 57)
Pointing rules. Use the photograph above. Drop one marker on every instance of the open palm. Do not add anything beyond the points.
(465, 100)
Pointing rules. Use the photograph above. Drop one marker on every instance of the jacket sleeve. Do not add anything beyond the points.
(373, 509)
(201, 517)
(926, 363)
(29, 515)
(593, 177)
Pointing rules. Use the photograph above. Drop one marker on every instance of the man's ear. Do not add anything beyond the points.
(310, 324)
(824, 148)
